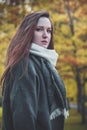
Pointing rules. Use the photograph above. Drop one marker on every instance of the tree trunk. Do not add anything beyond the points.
(83, 111)
(79, 93)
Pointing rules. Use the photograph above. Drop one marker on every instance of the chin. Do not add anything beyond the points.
(44, 46)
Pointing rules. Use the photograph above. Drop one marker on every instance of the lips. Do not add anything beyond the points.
(44, 42)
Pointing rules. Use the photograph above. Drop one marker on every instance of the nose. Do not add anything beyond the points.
(45, 35)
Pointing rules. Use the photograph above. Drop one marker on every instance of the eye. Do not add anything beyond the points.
(39, 29)
(49, 30)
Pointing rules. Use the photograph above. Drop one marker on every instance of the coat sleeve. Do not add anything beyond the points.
(24, 101)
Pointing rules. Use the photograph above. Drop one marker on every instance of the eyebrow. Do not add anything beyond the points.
(43, 27)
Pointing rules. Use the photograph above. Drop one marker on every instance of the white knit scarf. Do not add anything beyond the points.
(49, 54)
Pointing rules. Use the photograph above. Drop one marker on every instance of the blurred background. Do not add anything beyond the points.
(70, 40)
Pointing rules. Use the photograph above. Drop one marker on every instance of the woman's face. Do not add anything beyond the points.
(42, 33)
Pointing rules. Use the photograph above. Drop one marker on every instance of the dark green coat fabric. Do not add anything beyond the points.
(32, 95)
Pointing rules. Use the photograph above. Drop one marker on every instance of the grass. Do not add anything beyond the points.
(0, 117)
(72, 123)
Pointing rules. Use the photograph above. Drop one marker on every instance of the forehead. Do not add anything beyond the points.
(43, 21)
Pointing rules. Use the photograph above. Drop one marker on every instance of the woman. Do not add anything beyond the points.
(34, 96)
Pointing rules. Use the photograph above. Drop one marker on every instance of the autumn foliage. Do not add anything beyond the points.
(72, 49)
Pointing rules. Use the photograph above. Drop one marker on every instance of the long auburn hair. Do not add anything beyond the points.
(22, 40)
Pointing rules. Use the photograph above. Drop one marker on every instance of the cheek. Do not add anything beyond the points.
(36, 36)
(50, 37)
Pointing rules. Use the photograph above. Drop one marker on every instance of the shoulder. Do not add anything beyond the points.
(24, 67)
(34, 66)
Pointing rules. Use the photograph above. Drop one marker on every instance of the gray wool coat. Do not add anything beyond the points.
(34, 97)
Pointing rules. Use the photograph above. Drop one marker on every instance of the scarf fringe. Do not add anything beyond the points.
(59, 112)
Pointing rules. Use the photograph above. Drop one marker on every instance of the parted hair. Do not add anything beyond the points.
(21, 42)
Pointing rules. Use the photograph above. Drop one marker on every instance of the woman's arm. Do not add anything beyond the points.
(24, 102)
